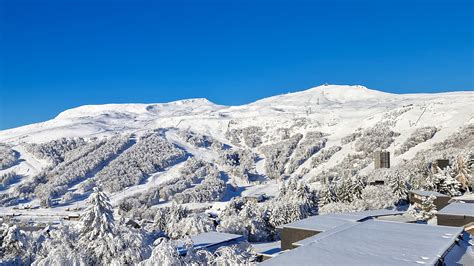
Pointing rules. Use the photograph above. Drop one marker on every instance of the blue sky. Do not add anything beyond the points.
(56, 55)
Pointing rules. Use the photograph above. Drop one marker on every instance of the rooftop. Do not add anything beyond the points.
(456, 208)
(467, 197)
(373, 242)
(328, 221)
(428, 193)
(210, 239)
(267, 248)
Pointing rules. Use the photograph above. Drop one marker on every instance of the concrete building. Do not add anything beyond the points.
(293, 232)
(211, 241)
(375, 242)
(456, 214)
(417, 196)
(381, 159)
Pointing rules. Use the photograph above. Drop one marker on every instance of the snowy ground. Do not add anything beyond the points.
(333, 109)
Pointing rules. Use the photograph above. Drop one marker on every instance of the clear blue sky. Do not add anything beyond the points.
(56, 55)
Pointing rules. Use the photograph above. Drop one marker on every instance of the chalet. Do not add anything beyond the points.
(374, 242)
(417, 196)
(456, 214)
(256, 197)
(72, 217)
(211, 241)
(302, 229)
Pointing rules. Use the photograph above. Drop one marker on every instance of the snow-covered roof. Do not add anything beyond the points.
(405, 218)
(210, 239)
(267, 248)
(457, 208)
(373, 242)
(468, 197)
(325, 222)
(428, 193)
(320, 222)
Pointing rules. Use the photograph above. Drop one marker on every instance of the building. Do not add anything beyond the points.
(417, 196)
(466, 198)
(267, 250)
(374, 242)
(256, 197)
(293, 232)
(439, 163)
(456, 214)
(381, 159)
(211, 241)
(442, 163)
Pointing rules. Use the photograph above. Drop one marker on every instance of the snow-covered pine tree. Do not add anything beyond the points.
(98, 229)
(358, 183)
(428, 209)
(446, 183)
(327, 194)
(176, 214)
(192, 225)
(462, 173)
(241, 254)
(59, 249)
(97, 220)
(399, 187)
(343, 190)
(256, 225)
(13, 245)
(164, 253)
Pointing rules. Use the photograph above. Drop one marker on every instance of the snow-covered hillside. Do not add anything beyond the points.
(301, 134)
(187, 167)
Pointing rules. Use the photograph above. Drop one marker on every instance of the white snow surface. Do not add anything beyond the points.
(402, 244)
(337, 110)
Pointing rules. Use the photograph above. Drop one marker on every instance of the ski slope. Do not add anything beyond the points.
(335, 110)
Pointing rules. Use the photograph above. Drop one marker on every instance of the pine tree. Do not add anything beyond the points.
(97, 220)
(13, 244)
(327, 194)
(462, 173)
(60, 249)
(176, 214)
(399, 187)
(358, 183)
(165, 253)
(98, 229)
(446, 183)
(428, 209)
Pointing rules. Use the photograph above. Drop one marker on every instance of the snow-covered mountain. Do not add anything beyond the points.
(300, 134)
